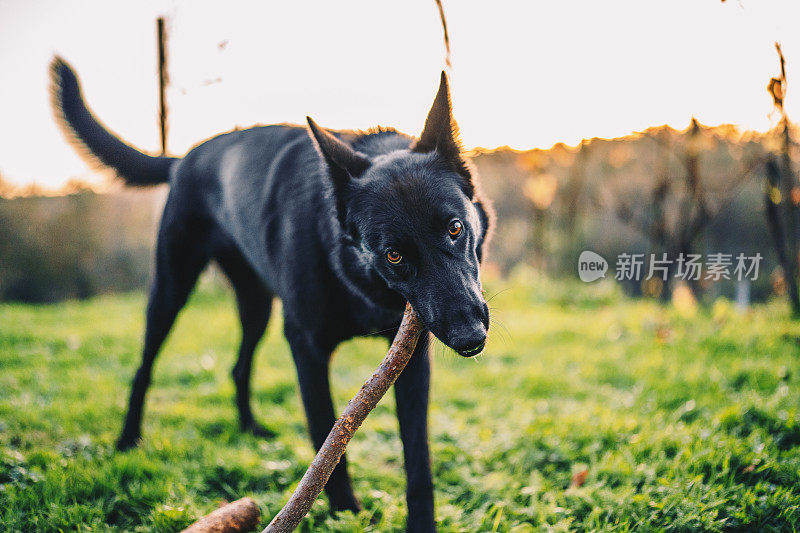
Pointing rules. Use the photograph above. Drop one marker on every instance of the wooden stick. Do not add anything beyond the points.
(353, 415)
(239, 516)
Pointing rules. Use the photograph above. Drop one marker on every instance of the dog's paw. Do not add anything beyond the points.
(258, 430)
(421, 521)
(345, 504)
(426, 527)
(127, 442)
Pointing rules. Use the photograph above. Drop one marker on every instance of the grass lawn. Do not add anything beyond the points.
(588, 411)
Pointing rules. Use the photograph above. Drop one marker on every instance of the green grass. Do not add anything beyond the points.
(682, 422)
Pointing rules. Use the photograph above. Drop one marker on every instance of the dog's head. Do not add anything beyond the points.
(415, 219)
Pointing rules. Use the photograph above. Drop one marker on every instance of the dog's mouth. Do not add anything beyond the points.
(472, 351)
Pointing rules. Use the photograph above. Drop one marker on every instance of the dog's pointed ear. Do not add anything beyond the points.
(344, 162)
(441, 131)
(441, 134)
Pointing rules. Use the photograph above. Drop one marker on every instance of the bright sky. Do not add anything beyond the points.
(525, 74)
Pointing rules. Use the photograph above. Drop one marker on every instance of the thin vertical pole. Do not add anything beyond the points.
(162, 83)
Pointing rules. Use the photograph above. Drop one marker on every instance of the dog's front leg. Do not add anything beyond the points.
(312, 362)
(411, 394)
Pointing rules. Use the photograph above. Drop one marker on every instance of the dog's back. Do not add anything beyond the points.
(254, 185)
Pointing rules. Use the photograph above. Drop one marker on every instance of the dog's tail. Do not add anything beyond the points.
(93, 140)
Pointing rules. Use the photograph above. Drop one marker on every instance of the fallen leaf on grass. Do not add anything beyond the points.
(579, 478)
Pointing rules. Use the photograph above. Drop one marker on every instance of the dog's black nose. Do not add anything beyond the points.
(471, 343)
(475, 350)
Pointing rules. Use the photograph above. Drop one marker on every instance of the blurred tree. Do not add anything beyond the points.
(540, 189)
(782, 195)
(77, 245)
(678, 211)
(6, 188)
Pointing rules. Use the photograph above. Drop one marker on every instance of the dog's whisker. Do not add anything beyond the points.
(503, 332)
(497, 294)
(379, 332)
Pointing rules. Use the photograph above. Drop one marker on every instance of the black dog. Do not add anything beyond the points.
(342, 226)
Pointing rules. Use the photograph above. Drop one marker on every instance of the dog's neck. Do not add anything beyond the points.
(350, 261)
(348, 258)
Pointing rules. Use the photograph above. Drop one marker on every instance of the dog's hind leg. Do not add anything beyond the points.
(312, 363)
(180, 257)
(255, 305)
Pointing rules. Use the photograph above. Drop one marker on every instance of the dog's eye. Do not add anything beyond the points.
(393, 256)
(455, 227)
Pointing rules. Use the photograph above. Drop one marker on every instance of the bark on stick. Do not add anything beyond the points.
(239, 516)
(354, 414)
